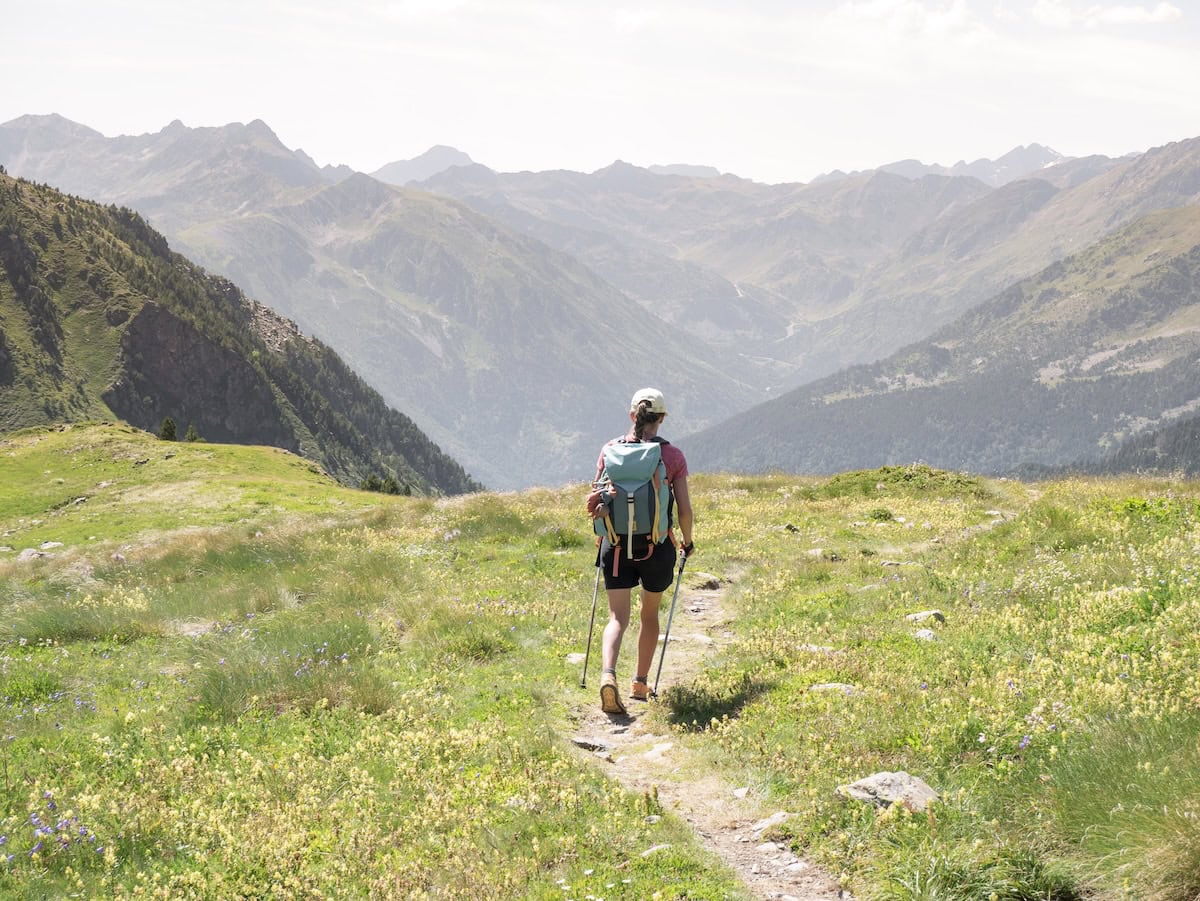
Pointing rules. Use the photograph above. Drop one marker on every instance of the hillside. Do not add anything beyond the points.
(1173, 449)
(1056, 369)
(182, 647)
(99, 319)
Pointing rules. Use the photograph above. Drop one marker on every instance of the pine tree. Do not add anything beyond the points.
(167, 431)
(191, 434)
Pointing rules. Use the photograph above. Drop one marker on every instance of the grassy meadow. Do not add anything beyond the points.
(235, 678)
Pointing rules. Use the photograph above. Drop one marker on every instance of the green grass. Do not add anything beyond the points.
(377, 692)
(110, 484)
(380, 684)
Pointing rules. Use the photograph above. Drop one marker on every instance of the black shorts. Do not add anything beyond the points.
(655, 573)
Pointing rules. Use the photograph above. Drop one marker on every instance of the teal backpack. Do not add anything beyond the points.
(635, 494)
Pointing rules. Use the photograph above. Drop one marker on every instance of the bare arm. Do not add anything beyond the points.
(683, 505)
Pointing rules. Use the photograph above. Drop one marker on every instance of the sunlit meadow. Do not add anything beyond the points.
(237, 679)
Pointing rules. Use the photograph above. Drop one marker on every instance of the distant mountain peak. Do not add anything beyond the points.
(51, 122)
(687, 170)
(435, 160)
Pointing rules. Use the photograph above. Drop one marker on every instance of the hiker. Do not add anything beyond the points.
(646, 563)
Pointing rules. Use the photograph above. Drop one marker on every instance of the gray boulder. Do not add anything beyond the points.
(926, 614)
(885, 789)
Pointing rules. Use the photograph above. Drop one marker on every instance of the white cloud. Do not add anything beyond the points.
(1133, 15)
(1065, 14)
(908, 18)
(1054, 13)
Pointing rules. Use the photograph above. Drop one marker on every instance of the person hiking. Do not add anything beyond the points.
(646, 561)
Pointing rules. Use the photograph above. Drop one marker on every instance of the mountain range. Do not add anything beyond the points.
(511, 314)
(1017, 163)
(1060, 367)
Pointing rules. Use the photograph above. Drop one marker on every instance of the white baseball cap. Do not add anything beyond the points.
(658, 403)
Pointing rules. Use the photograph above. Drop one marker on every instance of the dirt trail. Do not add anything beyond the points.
(643, 756)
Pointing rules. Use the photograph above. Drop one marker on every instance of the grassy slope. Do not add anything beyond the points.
(379, 683)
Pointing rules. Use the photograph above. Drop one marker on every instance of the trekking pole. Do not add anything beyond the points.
(670, 616)
(591, 625)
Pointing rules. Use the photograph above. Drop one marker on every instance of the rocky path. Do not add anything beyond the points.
(732, 821)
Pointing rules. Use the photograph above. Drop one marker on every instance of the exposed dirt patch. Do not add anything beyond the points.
(730, 820)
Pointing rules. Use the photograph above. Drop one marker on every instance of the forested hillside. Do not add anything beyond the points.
(99, 319)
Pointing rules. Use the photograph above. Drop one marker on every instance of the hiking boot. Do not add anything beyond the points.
(610, 698)
(639, 689)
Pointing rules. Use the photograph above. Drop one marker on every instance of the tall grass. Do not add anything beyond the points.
(1128, 800)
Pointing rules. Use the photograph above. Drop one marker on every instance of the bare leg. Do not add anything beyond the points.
(618, 622)
(648, 636)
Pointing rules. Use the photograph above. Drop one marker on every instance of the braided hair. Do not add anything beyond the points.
(644, 418)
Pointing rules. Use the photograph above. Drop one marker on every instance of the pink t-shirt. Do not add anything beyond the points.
(671, 455)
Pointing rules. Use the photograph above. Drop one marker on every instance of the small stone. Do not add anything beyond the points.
(834, 686)
(650, 852)
(926, 614)
(5, 549)
(741, 792)
(794, 869)
(992, 513)
(652, 819)
(695, 608)
(117, 557)
(925, 635)
(50, 545)
(773, 820)
(30, 553)
(659, 750)
(702, 639)
(768, 848)
(590, 744)
(815, 552)
(576, 658)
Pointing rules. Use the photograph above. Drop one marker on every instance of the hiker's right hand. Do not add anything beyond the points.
(689, 549)
(594, 507)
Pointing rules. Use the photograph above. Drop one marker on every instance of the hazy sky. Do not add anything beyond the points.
(768, 89)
